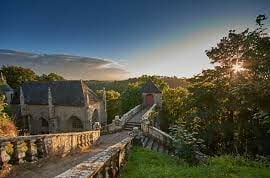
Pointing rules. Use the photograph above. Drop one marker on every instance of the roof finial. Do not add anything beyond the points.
(104, 99)
(49, 96)
(21, 97)
(2, 77)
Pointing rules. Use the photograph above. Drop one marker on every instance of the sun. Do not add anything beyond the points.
(237, 68)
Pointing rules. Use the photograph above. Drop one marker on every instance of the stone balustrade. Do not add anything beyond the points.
(151, 131)
(127, 116)
(118, 123)
(106, 164)
(16, 150)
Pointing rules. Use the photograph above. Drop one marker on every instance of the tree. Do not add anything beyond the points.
(16, 75)
(131, 97)
(7, 126)
(231, 102)
(50, 77)
(113, 103)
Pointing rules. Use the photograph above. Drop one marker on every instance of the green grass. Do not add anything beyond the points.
(149, 164)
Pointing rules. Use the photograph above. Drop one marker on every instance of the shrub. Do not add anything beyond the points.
(7, 126)
(188, 146)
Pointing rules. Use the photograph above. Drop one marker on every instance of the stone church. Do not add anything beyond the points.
(58, 106)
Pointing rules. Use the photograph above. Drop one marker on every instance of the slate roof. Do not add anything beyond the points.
(64, 93)
(5, 88)
(150, 87)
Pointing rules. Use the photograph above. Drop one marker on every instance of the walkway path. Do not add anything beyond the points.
(137, 117)
(54, 166)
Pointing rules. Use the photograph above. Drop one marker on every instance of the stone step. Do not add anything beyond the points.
(155, 146)
(145, 141)
(128, 129)
(161, 149)
(150, 143)
(142, 138)
(132, 125)
(133, 122)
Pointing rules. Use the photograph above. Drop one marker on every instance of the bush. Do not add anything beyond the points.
(188, 146)
(7, 126)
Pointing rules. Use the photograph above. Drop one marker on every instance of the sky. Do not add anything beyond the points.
(133, 37)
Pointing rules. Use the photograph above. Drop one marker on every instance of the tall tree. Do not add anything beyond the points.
(16, 75)
(50, 77)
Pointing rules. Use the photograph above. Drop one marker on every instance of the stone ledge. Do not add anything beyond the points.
(104, 164)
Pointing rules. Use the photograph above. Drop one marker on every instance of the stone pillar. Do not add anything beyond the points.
(114, 167)
(31, 153)
(19, 151)
(107, 173)
(41, 150)
(5, 157)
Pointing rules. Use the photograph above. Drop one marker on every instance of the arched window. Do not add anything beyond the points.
(95, 116)
(76, 123)
(44, 122)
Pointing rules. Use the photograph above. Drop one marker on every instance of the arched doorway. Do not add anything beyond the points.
(23, 124)
(44, 126)
(95, 117)
(75, 123)
(149, 99)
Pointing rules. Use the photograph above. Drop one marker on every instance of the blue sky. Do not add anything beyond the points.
(162, 37)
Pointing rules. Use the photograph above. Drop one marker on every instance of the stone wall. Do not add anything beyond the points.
(151, 131)
(106, 164)
(60, 117)
(20, 149)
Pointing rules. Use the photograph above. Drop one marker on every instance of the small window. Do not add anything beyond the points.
(76, 123)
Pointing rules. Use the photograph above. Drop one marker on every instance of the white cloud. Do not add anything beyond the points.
(71, 67)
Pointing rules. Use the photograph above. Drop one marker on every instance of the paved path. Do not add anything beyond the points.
(54, 166)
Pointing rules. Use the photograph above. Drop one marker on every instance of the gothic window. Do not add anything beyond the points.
(76, 123)
(44, 123)
(95, 116)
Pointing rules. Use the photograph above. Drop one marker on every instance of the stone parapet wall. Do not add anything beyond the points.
(151, 131)
(106, 164)
(15, 150)
(127, 116)
(119, 123)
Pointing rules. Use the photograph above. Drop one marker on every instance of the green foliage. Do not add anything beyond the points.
(113, 103)
(173, 102)
(232, 106)
(131, 97)
(187, 143)
(144, 163)
(15, 75)
(50, 77)
(7, 127)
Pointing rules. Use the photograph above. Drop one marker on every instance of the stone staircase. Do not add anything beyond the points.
(129, 125)
(153, 144)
